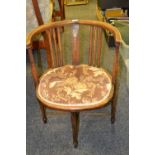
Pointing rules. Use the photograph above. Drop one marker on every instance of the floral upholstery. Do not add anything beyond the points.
(73, 85)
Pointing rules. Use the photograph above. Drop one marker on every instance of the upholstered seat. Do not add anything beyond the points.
(75, 87)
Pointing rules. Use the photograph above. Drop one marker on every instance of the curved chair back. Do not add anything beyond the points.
(82, 40)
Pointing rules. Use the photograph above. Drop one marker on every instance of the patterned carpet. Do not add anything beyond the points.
(97, 136)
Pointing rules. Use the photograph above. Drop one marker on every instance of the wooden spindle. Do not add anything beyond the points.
(39, 61)
(51, 48)
(60, 47)
(99, 46)
(90, 47)
(55, 47)
(75, 45)
(48, 52)
(94, 46)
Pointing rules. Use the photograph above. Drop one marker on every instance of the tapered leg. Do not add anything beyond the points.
(113, 104)
(75, 127)
(113, 110)
(43, 112)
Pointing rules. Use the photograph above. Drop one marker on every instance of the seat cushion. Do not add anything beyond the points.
(75, 87)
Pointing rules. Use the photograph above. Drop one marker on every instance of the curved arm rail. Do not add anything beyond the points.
(45, 27)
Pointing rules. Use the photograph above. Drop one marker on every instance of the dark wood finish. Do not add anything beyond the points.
(94, 57)
(37, 12)
(102, 25)
(115, 64)
(40, 62)
(115, 82)
(75, 127)
(75, 45)
(38, 44)
(54, 48)
(62, 9)
(43, 112)
(50, 54)
(47, 47)
(114, 103)
(33, 68)
(47, 44)
(36, 81)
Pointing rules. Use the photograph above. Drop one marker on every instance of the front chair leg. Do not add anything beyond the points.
(75, 127)
(114, 103)
(113, 109)
(43, 112)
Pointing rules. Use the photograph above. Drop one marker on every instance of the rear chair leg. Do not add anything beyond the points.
(43, 112)
(75, 127)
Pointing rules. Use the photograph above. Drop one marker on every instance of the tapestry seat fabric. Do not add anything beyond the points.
(75, 85)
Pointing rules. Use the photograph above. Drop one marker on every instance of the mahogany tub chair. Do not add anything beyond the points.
(79, 85)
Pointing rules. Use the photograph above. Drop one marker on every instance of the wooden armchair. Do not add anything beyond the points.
(82, 84)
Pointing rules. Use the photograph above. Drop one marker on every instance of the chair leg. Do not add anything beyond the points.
(43, 112)
(75, 127)
(113, 104)
(113, 110)
(39, 62)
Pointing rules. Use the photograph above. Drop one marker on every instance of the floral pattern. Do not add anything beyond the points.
(70, 84)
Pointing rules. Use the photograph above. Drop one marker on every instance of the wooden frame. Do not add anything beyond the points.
(37, 12)
(50, 30)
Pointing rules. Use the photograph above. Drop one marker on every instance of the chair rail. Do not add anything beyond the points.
(42, 28)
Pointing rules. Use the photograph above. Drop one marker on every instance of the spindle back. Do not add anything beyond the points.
(67, 36)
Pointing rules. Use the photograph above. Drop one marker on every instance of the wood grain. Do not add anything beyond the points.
(99, 26)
